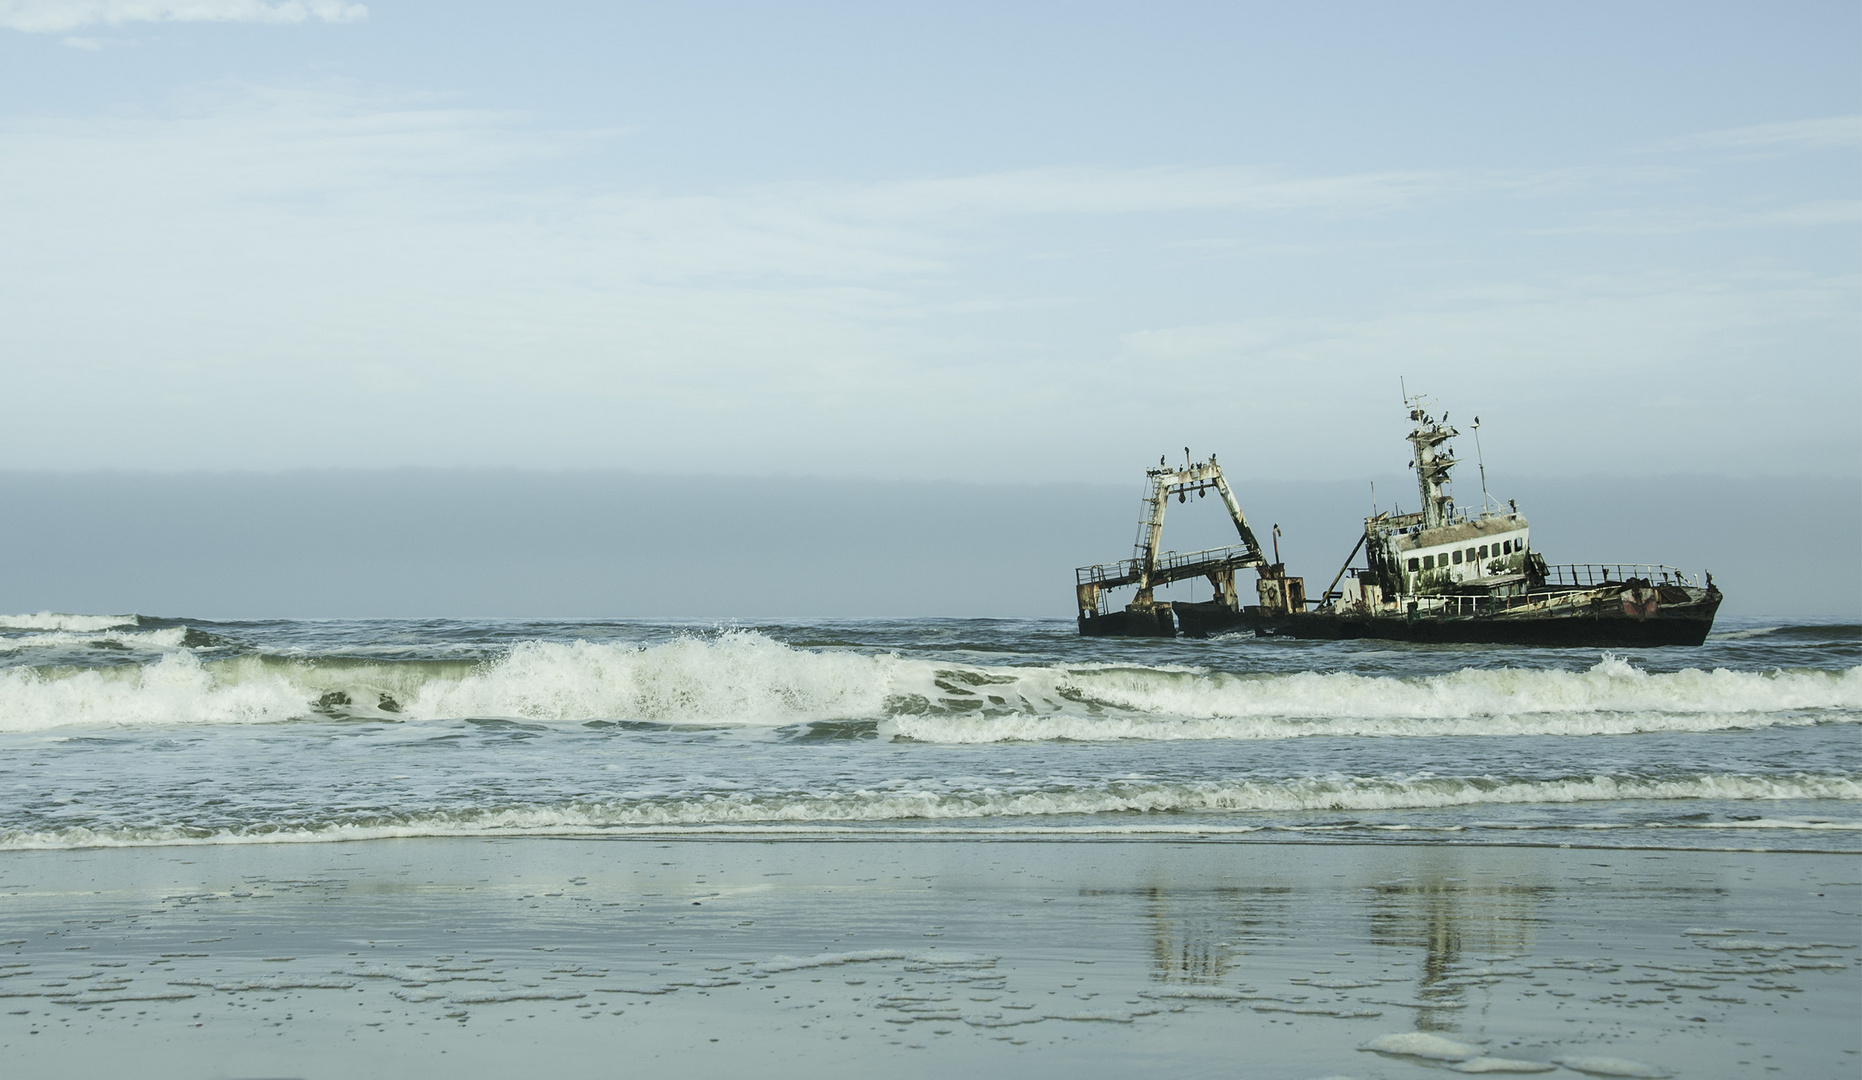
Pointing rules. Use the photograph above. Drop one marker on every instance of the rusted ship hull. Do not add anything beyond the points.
(1438, 574)
(1602, 627)
(1157, 622)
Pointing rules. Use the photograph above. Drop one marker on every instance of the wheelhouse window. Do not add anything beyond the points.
(1412, 566)
(1483, 551)
(1471, 555)
(1507, 548)
(1428, 562)
(1457, 556)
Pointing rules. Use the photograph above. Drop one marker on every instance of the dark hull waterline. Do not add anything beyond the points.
(1688, 625)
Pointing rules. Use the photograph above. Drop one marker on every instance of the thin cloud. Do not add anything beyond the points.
(1675, 222)
(60, 16)
(324, 276)
(1584, 328)
(1089, 190)
(1812, 134)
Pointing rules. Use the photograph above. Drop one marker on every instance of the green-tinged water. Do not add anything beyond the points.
(145, 730)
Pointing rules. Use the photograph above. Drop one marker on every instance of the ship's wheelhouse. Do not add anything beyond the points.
(1415, 560)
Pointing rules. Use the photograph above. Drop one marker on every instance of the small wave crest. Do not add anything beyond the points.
(1610, 685)
(51, 620)
(1740, 635)
(1333, 793)
(173, 637)
(974, 730)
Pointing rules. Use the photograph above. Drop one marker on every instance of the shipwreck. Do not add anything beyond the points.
(1440, 574)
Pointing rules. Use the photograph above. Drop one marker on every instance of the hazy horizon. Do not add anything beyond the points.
(339, 543)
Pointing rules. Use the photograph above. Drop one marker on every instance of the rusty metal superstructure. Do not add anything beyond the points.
(1438, 574)
(1150, 567)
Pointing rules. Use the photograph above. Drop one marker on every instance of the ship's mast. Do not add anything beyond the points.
(1432, 462)
(1486, 499)
(1195, 476)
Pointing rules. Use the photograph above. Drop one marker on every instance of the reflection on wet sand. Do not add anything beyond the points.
(1444, 918)
(1088, 957)
(1199, 937)
(1204, 935)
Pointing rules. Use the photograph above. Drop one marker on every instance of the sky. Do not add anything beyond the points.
(1011, 243)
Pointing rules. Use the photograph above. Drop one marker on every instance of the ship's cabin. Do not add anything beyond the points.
(1485, 553)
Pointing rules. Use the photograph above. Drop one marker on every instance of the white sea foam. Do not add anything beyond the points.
(494, 997)
(746, 678)
(51, 620)
(1812, 824)
(1613, 1066)
(1502, 1065)
(778, 964)
(177, 689)
(741, 678)
(737, 678)
(1301, 794)
(276, 982)
(173, 637)
(969, 729)
(1611, 685)
(1421, 1044)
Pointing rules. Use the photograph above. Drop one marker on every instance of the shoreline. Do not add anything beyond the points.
(835, 955)
(1369, 836)
(771, 836)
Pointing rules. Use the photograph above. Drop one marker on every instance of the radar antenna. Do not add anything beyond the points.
(1486, 501)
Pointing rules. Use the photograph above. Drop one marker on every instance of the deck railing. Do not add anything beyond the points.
(1491, 605)
(1591, 575)
(1571, 595)
(1170, 566)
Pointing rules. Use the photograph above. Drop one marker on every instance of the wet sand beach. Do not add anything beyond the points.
(793, 957)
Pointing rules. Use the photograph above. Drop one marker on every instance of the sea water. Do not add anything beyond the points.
(149, 730)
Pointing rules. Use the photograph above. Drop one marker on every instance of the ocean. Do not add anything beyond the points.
(142, 730)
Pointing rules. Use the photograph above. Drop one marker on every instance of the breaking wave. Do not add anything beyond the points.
(1610, 685)
(173, 637)
(1337, 793)
(738, 678)
(50, 620)
(745, 678)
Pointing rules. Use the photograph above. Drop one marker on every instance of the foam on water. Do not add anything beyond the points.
(51, 620)
(1000, 729)
(173, 637)
(177, 689)
(736, 678)
(1502, 1065)
(1124, 797)
(1611, 685)
(778, 964)
(747, 678)
(1422, 1044)
(1613, 1066)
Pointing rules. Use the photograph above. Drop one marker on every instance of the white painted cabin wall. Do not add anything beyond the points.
(1464, 570)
